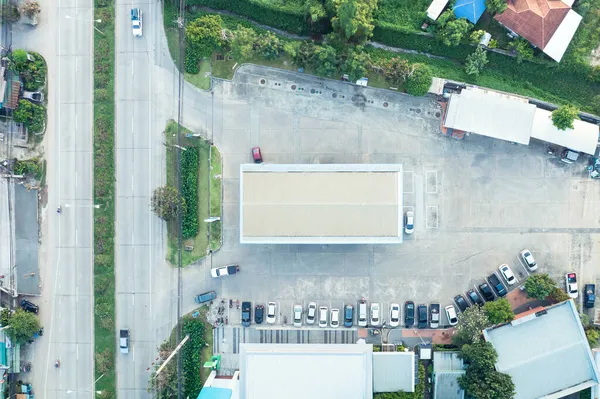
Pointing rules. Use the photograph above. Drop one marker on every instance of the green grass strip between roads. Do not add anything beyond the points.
(104, 195)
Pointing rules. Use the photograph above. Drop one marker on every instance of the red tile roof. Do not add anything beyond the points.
(534, 20)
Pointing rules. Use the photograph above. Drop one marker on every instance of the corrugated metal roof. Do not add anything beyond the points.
(469, 9)
(447, 361)
(491, 114)
(393, 371)
(446, 385)
(583, 138)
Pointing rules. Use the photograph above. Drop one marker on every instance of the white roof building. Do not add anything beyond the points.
(560, 40)
(582, 138)
(435, 8)
(393, 371)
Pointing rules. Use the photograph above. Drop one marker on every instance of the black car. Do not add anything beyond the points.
(348, 315)
(461, 303)
(474, 297)
(29, 306)
(422, 316)
(409, 314)
(497, 284)
(246, 314)
(486, 291)
(259, 312)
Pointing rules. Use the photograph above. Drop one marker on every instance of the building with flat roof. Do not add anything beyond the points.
(394, 371)
(299, 371)
(321, 204)
(545, 352)
(447, 367)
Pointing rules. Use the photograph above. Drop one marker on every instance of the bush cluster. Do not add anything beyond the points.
(191, 356)
(30, 167)
(189, 191)
(33, 73)
(31, 115)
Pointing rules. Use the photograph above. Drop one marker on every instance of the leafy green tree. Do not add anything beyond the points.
(354, 19)
(539, 286)
(306, 55)
(326, 60)
(205, 34)
(314, 11)
(418, 80)
(476, 36)
(558, 295)
(395, 69)
(564, 116)
(20, 59)
(481, 380)
(356, 64)
(476, 61)
(596, 103)
(470, 325)
(165, 203)
(495, 6)
(9, 13)
(242, 43)
(453, 31)
(594, 75)
(22, 326)
(592, 335)
(269, 46)
(522, 49)
(24, 112)
(481, 355)
(498, 311)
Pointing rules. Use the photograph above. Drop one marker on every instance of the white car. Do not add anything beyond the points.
(507, 274)
(323, 316)
(375, 316)
(571, 284)
(394, 315)
(297, 316)
(529, 260)
(136, 22)
(311, 313)
(334, 320)
(451, 315)
(409, 222)
(271, 310)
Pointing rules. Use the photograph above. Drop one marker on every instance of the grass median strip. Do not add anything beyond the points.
(104, 195)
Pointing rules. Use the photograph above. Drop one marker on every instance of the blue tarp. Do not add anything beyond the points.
(215, 393)
(469, 9)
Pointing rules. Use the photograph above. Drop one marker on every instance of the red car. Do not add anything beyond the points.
(256, 155)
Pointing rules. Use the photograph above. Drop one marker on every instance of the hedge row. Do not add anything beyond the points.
(191, 354)
(290, 18)
(189, 191)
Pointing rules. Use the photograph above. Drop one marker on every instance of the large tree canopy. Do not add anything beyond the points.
(354, 19)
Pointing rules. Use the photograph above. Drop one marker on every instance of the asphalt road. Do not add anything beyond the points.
(145, 285)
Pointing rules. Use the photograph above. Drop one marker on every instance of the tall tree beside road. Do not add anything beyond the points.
(418, 79)
(564, 116)
(242, 43)
(498, 311)
(470, 325)
(22, 326)
(204, 35)
(356, 64)
(326, 60)
(539, 286)
(165, 203)
(354, 19)
(450, 30)
(481, 380)
(476, 61)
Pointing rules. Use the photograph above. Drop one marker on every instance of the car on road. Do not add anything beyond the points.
(409, 314)
(334, 320)
(34, 96)
(474, 297)
(590, 295)
(375, 315)
(451, 315)
(224, 271)
(206, 297)
(497, 284)
(529, 260)
(461, 303)
(297, 315)
(571, 285)
(394, 315)
(507, 274)
(362, 313)
(409, 222)
(136, 22)
(271, 312)
(348, 315)
(259, 313)
(323, 316)
(486, 292)
(257, 155)
(246, 314)
(29, 306)
(434, 315)
(124, 341)
(311, 313)
(422, 316)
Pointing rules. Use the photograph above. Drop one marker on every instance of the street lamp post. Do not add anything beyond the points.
(83, 206)
(87, 20)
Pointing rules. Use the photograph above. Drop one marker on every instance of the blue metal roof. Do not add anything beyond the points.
(214, 393)
(469, 9)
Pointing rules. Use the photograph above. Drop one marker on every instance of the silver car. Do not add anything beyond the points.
(297, 316)
(323, 316)
(529, 260)
(311, 313)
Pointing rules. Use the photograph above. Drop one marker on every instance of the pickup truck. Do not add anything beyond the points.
(434, 315)
(124, 341)
(136, 22)
(590, 295)
(246, 314)
(224, 270)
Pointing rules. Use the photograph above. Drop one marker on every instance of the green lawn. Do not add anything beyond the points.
(208, 168)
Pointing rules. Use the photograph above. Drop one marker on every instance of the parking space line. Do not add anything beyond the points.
(431, 174)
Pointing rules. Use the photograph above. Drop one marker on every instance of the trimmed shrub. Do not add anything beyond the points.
(189, 191)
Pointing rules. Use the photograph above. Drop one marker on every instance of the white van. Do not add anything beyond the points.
(362, 313)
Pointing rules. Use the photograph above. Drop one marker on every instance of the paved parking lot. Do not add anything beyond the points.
(477, 202)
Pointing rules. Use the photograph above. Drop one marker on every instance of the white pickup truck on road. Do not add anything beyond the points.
(136, 22)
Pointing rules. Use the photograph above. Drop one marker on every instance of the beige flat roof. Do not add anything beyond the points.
(320, 203)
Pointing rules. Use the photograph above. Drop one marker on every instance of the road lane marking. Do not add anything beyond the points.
(76, 237)
(76, 179)
(75, 122)
(77, 347)
(132, 178)
(131, 67)
(76, 66)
